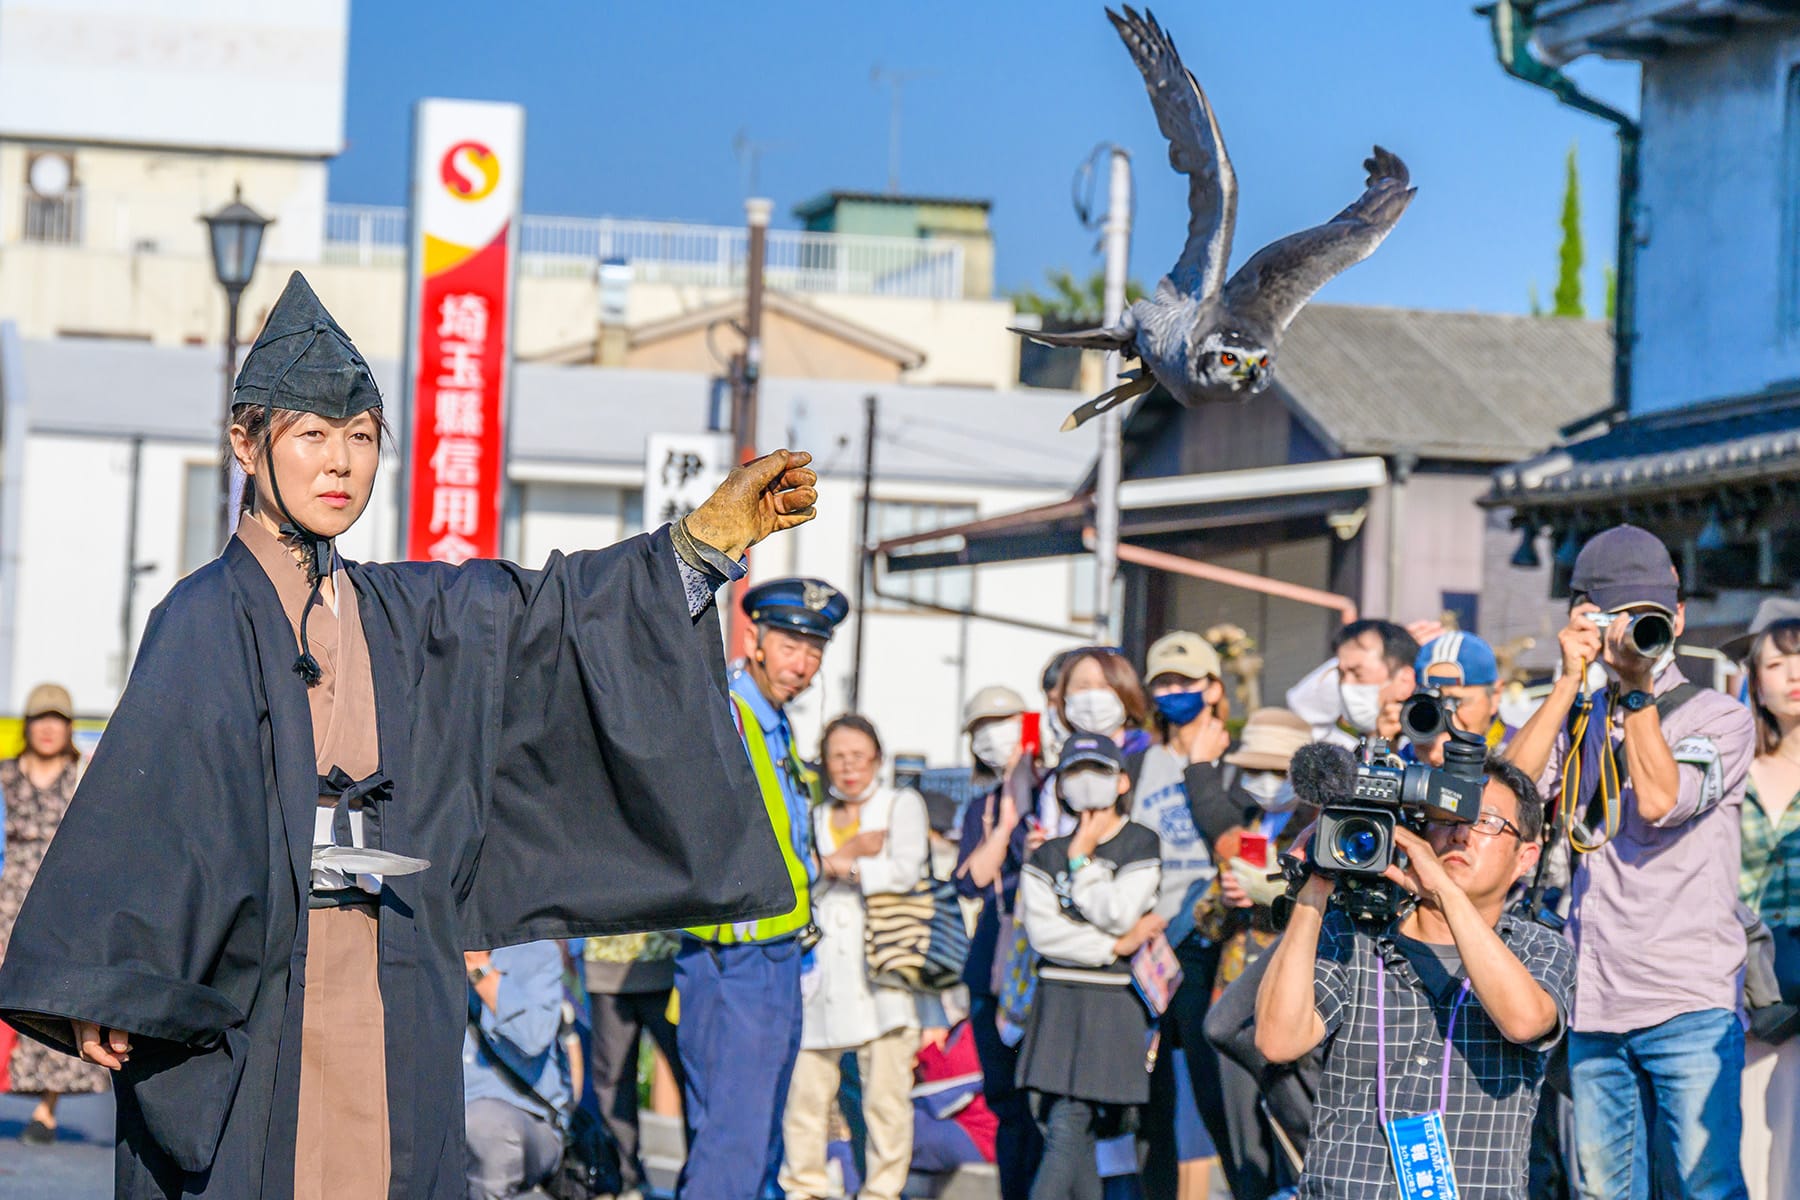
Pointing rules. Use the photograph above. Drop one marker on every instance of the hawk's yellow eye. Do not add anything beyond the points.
(1229, 360)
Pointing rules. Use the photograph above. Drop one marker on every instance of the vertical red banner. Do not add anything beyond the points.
(467, 161)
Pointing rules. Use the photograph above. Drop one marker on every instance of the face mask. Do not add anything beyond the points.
(1096, 710)
(1088, 791)
(1181, 708)
(1362, 705)
(1271, 791)
(994, 744)
(1053, 732)
(856, 799)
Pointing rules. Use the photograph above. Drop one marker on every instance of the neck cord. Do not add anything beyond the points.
(317, 555)
(1462, 995)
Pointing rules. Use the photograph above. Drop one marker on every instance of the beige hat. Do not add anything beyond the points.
(49, 699)
(1271, 736)
(1182, 653)
(995, 700)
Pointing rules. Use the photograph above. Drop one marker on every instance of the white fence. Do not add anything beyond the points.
(672, 252)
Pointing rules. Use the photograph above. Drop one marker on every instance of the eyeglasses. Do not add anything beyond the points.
(852, 760)
(1490, 823)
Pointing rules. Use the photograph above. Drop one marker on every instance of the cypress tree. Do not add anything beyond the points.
(1568, 281)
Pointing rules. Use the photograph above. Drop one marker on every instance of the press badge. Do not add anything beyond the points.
(1421, 1156)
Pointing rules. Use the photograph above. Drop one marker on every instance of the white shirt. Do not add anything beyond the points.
(841, 1009)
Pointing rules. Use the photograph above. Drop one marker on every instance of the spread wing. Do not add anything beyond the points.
(1281, 277)
(1196, 149)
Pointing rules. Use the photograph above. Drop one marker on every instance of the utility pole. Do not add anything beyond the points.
(1106, 480)
(746, 366)
(864, 560)
(133, 568)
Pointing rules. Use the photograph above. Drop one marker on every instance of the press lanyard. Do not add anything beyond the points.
(1381, 1041)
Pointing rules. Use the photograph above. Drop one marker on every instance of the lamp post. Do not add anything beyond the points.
(235, 235)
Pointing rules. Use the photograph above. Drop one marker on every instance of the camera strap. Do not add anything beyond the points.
(1418, 1146)
(1462, 996)
(1599, 798)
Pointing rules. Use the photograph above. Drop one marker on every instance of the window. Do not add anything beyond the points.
(199, 515)
(1467, 608)
(952, 587)
(1081, 588)
(1790, 206)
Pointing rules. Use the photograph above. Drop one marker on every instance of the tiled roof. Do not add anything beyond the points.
(1713, 445)
(1475, 387)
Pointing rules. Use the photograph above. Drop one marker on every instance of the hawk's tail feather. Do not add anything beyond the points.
(1117, 338)
(1136, 384)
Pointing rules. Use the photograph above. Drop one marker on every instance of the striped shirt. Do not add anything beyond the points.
(1664, 891)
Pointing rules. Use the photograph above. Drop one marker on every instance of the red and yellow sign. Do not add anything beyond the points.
(467, 165)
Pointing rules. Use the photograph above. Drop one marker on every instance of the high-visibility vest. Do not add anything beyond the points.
(775, 802)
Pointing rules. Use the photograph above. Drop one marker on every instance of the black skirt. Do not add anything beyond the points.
(1089, 1041)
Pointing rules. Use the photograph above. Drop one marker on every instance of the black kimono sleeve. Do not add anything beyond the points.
(148, 913)
(614, 793)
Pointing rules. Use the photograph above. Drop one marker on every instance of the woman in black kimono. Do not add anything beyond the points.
(325, 780)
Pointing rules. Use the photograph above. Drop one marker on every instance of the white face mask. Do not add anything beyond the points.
(1271, 791)
(1089, 791)
(1362, 705)
(1097, 710)
(996, 742)
(846, 798)
(1054, 733)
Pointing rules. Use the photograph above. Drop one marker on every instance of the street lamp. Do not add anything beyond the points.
(235, 235)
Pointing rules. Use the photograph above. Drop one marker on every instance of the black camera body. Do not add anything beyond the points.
(1355, 837)
(1361, 799)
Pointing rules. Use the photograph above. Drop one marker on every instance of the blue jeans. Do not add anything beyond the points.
(1660, 1103)
(738, 1037)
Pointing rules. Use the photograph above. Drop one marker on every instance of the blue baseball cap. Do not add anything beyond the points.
(806, 606)
(1471, 656)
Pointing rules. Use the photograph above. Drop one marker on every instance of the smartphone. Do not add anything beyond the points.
(1253, 848)
(1031, 736)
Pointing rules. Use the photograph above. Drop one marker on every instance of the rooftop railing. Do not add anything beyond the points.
(674, 252)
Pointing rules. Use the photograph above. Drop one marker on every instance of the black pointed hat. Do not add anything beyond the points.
(303, 361)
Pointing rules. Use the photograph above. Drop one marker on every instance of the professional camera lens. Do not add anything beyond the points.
(1425, 715)
(1650, 635)
(1357, 842)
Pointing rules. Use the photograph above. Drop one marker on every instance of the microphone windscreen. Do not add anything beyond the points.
(1322, 774)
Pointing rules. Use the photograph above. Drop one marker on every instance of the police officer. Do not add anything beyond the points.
(739, 985)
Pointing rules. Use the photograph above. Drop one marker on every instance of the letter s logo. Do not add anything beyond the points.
(469, 171)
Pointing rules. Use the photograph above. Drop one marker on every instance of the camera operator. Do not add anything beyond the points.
(1652, 792)
(1464, 671)
(1382, 1001)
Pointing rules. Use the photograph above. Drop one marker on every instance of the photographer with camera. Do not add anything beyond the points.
(1461, 671)
(1435, 1025)
(1374, 664)
(1648, 773)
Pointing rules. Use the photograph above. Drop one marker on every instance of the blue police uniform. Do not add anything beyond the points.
(739, 987)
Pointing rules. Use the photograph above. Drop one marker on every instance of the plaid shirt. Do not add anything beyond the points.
(1769, 880)
(1494, 1083)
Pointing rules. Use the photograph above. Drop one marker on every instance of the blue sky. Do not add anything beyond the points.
(632, 111)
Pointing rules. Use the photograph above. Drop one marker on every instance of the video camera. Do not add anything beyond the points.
(1361, 799)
